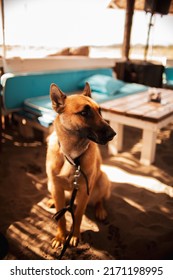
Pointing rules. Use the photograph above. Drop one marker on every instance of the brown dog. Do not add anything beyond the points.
(78, 127)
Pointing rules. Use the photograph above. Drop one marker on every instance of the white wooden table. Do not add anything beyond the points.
(136, 111)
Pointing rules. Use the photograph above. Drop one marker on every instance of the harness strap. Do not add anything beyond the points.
(70, 207)
(86, 181)
(76, 162)
(62, 212)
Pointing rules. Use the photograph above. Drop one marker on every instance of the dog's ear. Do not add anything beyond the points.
(87, 90)
(57, 97)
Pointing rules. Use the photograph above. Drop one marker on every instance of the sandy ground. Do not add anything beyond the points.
(140, 209)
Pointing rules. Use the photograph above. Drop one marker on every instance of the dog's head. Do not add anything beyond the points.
(81, 115)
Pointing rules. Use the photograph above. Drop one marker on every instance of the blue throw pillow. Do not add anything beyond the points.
(130, 88)
(102, 84)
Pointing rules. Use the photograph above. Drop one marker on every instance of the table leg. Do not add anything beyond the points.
(116, 144)
(148, 147)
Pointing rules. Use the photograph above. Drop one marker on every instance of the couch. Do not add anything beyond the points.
(27, 95)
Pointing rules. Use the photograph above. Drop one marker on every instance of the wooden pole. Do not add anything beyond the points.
(3, 28)
(127, 29)
(148, 37)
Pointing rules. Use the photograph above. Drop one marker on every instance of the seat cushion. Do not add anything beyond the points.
(42, 108)
(131, 88)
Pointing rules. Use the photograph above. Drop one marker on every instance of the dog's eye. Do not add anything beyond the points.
(83, 113)
(86, 111)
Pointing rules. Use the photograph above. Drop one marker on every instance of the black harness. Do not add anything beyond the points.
(70, 208)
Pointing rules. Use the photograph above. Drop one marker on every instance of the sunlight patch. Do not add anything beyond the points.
(118, 175)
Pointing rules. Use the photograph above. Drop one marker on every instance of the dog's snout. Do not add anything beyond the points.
(110, 133)
(106, 134)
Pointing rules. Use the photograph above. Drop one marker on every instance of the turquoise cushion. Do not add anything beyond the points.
(130, 88)
(169, 73)
(42, 108)
(102, 84)
(101, 97)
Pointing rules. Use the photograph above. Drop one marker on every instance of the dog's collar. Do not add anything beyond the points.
(74, 162)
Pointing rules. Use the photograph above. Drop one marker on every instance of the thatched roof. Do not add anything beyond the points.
(139, 4)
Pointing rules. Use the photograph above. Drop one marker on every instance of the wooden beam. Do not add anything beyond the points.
(127, 28)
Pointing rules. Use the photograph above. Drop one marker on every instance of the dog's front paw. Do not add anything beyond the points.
(74, 241)
(58, 241)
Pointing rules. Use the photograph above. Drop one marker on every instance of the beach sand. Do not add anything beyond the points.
(140, 210)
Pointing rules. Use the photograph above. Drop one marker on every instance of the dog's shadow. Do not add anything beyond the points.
(105, 241)
(132, 230)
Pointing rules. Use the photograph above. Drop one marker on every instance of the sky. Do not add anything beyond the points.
(64, 23)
